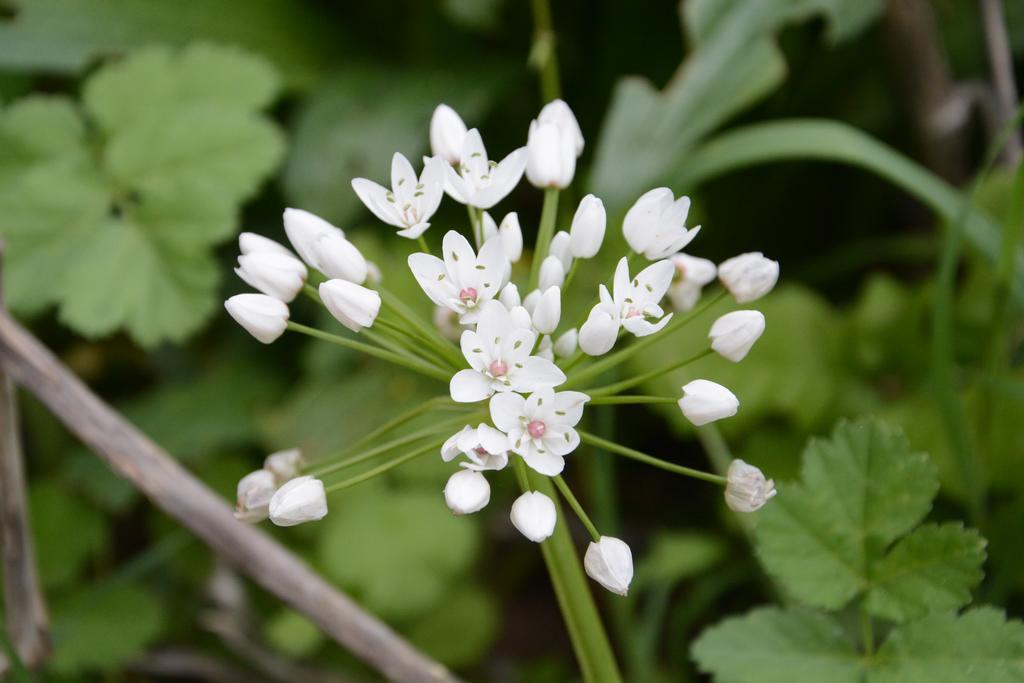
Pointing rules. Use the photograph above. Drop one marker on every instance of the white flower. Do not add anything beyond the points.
(588, 226)
(284, 465)
(655, 225)
(489, 227)
(254, 493)
(485, 447)
(510, 296)
(540, 426)
(511, 236)
(705, 402)
(411, 201)
(610, 562)
(278, 275)
(520, 317)
(463, 281)
(480, 182)
(302, 499)
(566, 344)
(466, 492)
(634, 306)
(352, 305)
(534, 515)
(599, 332)
(746, 488)
(560, 246)
(323, 246)
(551, 156)
(447, 134)
(373, 274)
(749, 276)
(692, 274)
(552, 273)
(499, 357)
(262, 316)
(545, 348)
(733, 334)
(548, 311)
(559, 113)
(447, 323)
(251, 243)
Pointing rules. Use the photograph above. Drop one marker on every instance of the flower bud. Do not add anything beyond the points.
(302, 499)
(692, 274)
(610, 563)
(323, 246)
(254, 493)
(566, 344)
(534, 515)
(284, 465)
(520, 318)
(733, 334)
(278, 275)
(373, 274)
(447, 134)
(552, 273)
(705, 402)
(559, 113)
(598, 334)
(550, 156)
(588, 226)
(749, 276)
(466, 492)
(262, 316)
(354, 306)
(560, 247)
(548, 311)
(531, 300)
(251, 243)
(447, 323)
(509, 296)
(545, 349)
(490, 228)
(511, 236)
(746, 489)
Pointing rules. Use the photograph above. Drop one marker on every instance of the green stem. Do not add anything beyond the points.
(629, 400)
(476, 225)
(427, 331)
(423, 245)
(569, 276)
(413, 343)
(383, 354)
(543, 55)
(867, 633)
(642, 343)
(613, 447)
(381, 469)
(576, 507)
(640, 379)
(548, 214)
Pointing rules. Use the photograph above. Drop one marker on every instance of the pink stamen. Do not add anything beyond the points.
(536, 429)
(479, 450)
(498, 369)
(633, 312)
(468, 294)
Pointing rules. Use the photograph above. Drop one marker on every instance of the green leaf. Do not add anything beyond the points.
(931, 570)
(461, 630)
(378, 539)
(293, 634)
(67, 533)
(103, 628)
(772, 645)
(38, 129)
(735, 62)
(979, 646)
(859, 491)
(676, 556)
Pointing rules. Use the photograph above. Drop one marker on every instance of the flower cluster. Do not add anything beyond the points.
(519, 379)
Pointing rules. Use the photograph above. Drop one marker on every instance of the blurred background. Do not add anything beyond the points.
(138, 137)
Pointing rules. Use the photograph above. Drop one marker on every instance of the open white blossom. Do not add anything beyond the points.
(634, 304)
(749, 276)
(479, 181)
(499, 355)
(484, 447)
(540, 427)
(655, 225)
(463, 281)
(411, 201)
(746, 488)
(692, 274)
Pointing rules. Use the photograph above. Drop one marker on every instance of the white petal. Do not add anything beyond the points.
(506, 409)
(470, 386)
(432, 277)
(536, 374)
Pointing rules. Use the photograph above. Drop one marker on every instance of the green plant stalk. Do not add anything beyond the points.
(997, 359)
(423, 245)
(589, 640)
(476, 225)
(630, 400)
(376, 352)
(429, 332)
(642, 343)
(640, 379)
(640, 456)
(415, 344)
(548, 214)
(381, 469)
(566, 492)
(543, 55)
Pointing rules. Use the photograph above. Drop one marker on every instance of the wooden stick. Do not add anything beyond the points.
(25, 616)
(175, 491)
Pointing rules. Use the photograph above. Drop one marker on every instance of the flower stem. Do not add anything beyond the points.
(548, 214)
(543, 55)
(640, 379)
(624, 400)
(569, 276)
(476, 224)
(566, 492)
(381, 469)
(399, 420)
(383, 354)
(589, 640)
(613, 447)
(423, 245)
(428, 332)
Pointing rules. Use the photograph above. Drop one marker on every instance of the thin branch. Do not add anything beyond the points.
(180, 663)
(1001, 62)
(25, 607)
(175, 491)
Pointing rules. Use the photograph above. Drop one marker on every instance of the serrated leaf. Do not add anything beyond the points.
(931, 570)
(377, 539)
(860, 490)
(159, 82)
(38, 129)
(772, 645)
(103, 628)
(979, 646)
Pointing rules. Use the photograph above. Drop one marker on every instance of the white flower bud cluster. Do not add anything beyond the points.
(278, 492)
